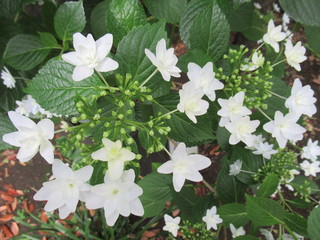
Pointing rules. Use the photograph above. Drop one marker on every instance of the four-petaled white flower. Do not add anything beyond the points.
(171, 224)
(235, 168)
(237, 232)
(204, 79)
(115, 155)
(190, 101)
(231, 108)
(301, 100)
(31, 137)
(284, 128)
(310, 168)
(164, 60)
(184, 166)
(212, 219)
(257, 61)
(7, 78)
(295, 54)
(241, 129)
(311, 151)
(90, 55)
(117, 197)
(274, 35)
(265, 149)
(66, 189)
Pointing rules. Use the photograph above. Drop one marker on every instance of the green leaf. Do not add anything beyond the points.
(241, 15)
(5, 127)
(48, 40)
(196, 56)
(9, 8)
(303, 11)
(264, 211)
(223, 136)
(313, 36)
(124, 15)
(48, 10)
(99, 170)
(24, 52)
(299, 203)
(269, 186)
(156, 192)
(257, 28)
(314, 224)
(210, 32)
(8, 96)
(234, 213)
(54, 89)
(69, 19)
(98, 19)
(246, 237)
(297, 223)
(170, 10)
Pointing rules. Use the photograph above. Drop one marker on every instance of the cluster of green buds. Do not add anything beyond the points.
(195, 231)
(303, 190)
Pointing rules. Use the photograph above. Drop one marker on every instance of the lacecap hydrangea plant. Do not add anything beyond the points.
(105, 88)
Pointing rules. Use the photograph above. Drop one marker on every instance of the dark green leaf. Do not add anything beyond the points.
(5, 127)
(269, 186)
(8, 96)
(196, 56)
(99, 170)
(48, 40)
(234, 213)
(223, 136)
(314, 224)
(9, 8)
(313, 36)
(297, 223)
(299, 203)
(246, 237)
(98, 19)
(241, 15)
(257, 28)
(48, 10)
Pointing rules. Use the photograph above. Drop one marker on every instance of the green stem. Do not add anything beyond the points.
(103, 79)
(247, 172)
(22, 78)
(278, 63)
(145, 81)
(284, 201)
(277, 95)
(211, 189)
(264, 114)
(291, 232)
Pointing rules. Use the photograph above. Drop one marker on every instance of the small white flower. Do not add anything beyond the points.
(241, 129)
(172, 224)
(301, 100)
(276, 7)
(115, 155)
(257, 5)
(267, 234)
(204, 79)
(295, 54)
(7, 78)
(190, 101)
(292, 172)
(265, 149)
(235, 168)
(311, 151)
(164, 60)
(212, 219)
(66, 189)
(284, 128)
(273, 36)
(237, 232)
(287, 236)
(90, 55)
(310, 168)
(257, 139)
(285, 21)
(257, 61)
(231, 108)
(30, 108)
(117, 197)
(31, 137)
(184, 166)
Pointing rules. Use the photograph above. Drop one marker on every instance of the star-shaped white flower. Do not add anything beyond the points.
(30, 108)
(257, 139)
(310, 168)
(212, 219)
(164, 60)
(265, 149)
(295, 54)
(301, 100)
(257, 61)
(115, 155)
(90, 55)
(66, 189)
(284, 128)
(117, 197)
(235, 168)
(311, 151)
(190, 101)
(184, 166)
(7, 78)
(171, 224)
(31, 137)
(204, 79)
(237, 232)
(273, 36)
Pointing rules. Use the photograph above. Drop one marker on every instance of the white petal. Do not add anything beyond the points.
(13, 138)
(55, 201)
(107, 65)
(151, 56)
(78, 40)
(115, 169)
(101, 155)
(47, 128)
(72, 202)
(26, 153)
(81, 72)
(72, 58)
(84, 174)
(46, 151)
(21, 121)
(60, 170)
(178, 181)
(64, 212)
(104, 45)
(166, 168)
(111, 218)
(136, 207)
(165, 75)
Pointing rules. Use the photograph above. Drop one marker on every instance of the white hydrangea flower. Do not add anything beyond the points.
(235, 168)
(30, 108)
(241, 129)
(237, 232)
(66, 189)
(257, 139)
(117, 197)
(276, 7)
(311, 151)
(90, 55)
(231, 108)
(164, 60)
(295, 54)
(284, 128)
(204, 79)
(212, 219)
(190, 101)
(8, 79)
(265, 149)
(184, 166)
(171, 224)
(257, 61)
(273, 36)
(310, 168)
(285, 22)
(115, 155)
(301, 100)
(31, 137)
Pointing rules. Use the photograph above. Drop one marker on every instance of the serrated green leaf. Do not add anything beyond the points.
(313, 36)
(8, 96)
(48, 10)
(297, 223)
(98, 20)
(8, 30)
(24, 52)
(5, 127)
(234, 213)
(69, 19)
(54, 89)
(257, 28)
(210, 32)
(170, 10)
(299, 203)
(314, 224)
(269, 186)
(241, 15)
(48, 40)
